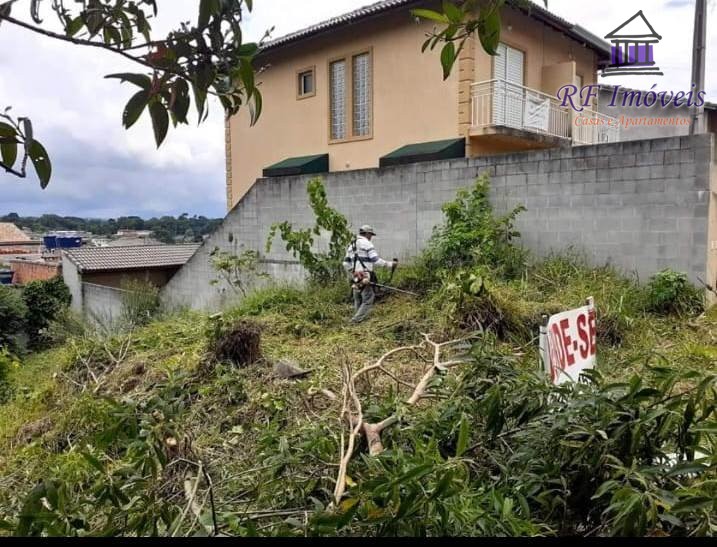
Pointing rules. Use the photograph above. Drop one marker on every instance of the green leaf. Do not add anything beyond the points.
(687, 468)
(430, 15)
(448, 58)
(692, 504)
(140, 80)
(255, 107)
(463, 436)
(180, 105)
(41, 162)
(348, 509)
(454, 14)
(160, 121)
(489, 31)
(7, 130)
(74, 26)
(207, 8)
(134, 108)
(8, 152)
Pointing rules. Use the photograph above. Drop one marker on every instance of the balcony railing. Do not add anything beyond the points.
(590, 127)
(498, 103)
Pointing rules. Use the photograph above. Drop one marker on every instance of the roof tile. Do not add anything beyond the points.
(105, 259)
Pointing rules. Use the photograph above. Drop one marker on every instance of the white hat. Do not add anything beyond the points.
(367, 229)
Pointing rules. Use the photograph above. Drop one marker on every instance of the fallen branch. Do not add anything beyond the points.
(351, 410)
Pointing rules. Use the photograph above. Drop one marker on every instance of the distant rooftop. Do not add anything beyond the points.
(9, 233)
(141, 257)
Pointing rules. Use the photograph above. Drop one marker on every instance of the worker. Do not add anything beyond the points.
(361, 257)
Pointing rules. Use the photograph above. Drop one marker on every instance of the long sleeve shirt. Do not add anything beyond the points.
(368, 255)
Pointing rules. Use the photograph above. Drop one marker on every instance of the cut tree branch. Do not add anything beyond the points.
(351, 409)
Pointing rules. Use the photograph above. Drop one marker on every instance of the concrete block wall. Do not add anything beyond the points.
(101, 305)
(641, 206)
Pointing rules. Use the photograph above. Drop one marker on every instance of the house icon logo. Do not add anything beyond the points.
(632, 48)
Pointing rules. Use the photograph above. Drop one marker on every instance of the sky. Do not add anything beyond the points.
(101, 170)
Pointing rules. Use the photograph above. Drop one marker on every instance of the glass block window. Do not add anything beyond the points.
(337, 78)
(361, 95)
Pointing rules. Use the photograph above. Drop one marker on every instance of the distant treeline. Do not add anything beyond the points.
(166, 229)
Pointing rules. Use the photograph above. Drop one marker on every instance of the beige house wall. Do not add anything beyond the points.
(411, 101)
(543, 46)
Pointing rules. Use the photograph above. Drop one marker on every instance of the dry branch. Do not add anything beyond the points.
(352, 413)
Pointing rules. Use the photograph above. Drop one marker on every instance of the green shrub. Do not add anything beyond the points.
(13, 316)
(140, 303)
(670, 292)
(473, 235)
(44, 301)
(66, 324)
(236, 270)
(322, 266)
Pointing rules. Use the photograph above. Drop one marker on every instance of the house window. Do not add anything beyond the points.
(337, 77)
(508, 93)
(361, 95)
(351, 96)
(306, 83)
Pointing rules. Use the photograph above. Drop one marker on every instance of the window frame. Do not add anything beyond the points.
(298, 81)
(348, 59)
(509, 43)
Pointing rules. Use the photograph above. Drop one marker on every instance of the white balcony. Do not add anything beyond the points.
(520, 113)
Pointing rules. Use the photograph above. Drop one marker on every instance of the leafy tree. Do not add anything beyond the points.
(208, 57)
(44, 300)
(13, 315)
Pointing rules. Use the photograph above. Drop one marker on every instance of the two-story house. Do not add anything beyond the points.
(357, 92)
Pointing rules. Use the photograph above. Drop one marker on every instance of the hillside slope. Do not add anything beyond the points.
(432, 418)
(115, 427)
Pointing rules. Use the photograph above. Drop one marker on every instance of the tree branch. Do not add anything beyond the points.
(89, 43)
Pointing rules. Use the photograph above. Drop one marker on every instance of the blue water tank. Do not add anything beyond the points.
(69, 242)
(50, 242)
(6, 277)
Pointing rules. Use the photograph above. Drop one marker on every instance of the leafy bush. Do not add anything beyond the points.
(236, 270)
(473, 235)
(44, 301)
(140, 303)
(13, 316)
(322, 266)
(66, 324)
(670, 292)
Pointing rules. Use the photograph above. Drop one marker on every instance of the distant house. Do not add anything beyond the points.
(654, 123)
(356, 92)
(97, 276)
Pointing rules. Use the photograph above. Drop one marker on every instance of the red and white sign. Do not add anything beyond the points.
(568, 344)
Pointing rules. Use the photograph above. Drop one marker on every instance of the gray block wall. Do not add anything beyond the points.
(641, 206)
(102, 305)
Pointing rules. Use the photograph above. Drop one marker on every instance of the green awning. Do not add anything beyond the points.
(304, 165)
(426, 151)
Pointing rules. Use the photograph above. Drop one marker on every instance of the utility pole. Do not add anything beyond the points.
(698, 64)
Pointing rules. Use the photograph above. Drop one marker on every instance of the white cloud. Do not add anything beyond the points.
(102, 169)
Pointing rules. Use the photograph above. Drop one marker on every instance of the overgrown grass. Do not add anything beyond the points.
(107, 430)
